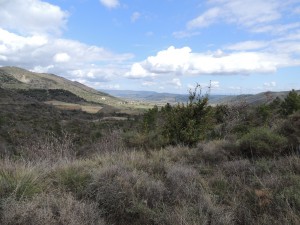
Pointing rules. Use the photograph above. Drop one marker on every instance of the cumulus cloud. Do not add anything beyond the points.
(32, 16)
(61, 56)
(138, 71)
(110, 3)
(176, 82)
(182, 61)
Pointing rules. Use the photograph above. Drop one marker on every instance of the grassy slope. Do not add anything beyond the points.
(23, 79)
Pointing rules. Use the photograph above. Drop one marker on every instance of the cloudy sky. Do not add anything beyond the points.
(241, 46)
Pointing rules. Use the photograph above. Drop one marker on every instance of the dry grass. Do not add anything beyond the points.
(73, 106)
(51, 210)
(175, 185)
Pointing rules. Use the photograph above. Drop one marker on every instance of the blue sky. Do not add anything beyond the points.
(241, 46)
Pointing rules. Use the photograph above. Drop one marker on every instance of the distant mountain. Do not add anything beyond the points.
(163, 98)
(154, 97)
(254, 99)
(148, 96)
(17, 78)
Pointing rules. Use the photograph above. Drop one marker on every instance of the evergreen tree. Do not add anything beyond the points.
(291, 103)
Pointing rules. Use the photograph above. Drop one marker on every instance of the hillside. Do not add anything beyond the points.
(230, 166)
(17, 78)
(251, 99)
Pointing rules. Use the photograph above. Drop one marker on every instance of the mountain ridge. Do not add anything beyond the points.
(18, 78)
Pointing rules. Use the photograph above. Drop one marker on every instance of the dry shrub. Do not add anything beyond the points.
(127, 196)
(288, 164)
(240, 167)
(216, 151)
(51, 149)
(184, 183)
(51, 210)
(111, 141)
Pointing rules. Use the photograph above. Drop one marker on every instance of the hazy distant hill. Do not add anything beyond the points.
(17, 78)
(254, 99)
(154, 97)
(163, 98)
(149, 96)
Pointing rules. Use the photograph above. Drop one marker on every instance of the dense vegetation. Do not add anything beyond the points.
(180, 164)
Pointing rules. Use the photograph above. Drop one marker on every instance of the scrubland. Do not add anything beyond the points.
(185, 164)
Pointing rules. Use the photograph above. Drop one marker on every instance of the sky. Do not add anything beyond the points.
(236, 46)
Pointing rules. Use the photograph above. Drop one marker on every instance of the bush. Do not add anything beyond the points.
(127, 196)
(291, 129)
(50, 210)
(72, 179)
(20, 183)
(184, 184)
(291, 103)
(215, 151)
(262, 142)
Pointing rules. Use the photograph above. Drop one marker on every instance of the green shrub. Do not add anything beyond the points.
(72, 179)
(262, 142)
(19, 183)
(291, 129)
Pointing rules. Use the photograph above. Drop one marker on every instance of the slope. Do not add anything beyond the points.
(17, 78)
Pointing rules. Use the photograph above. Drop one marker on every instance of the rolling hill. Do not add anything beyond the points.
(17, 78)
(163, 98)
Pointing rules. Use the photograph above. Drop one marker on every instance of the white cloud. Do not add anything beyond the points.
(206, 19)
(185, 34)
(270, 84)
(137, 71)
(254, 15)
(215, 84)
(251, 12)
(28, 39)
(277, 29)
(32, 16)
(110, 3)
(247, 45)
(182, 61)
(61, 57)
(176, 82)
(135, 16)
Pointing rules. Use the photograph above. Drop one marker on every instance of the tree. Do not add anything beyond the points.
(291, 103)
(190, 123)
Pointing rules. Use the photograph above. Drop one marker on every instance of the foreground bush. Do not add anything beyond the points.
(127, 197)
(21, 182)
(262, 142)
(49, 210)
